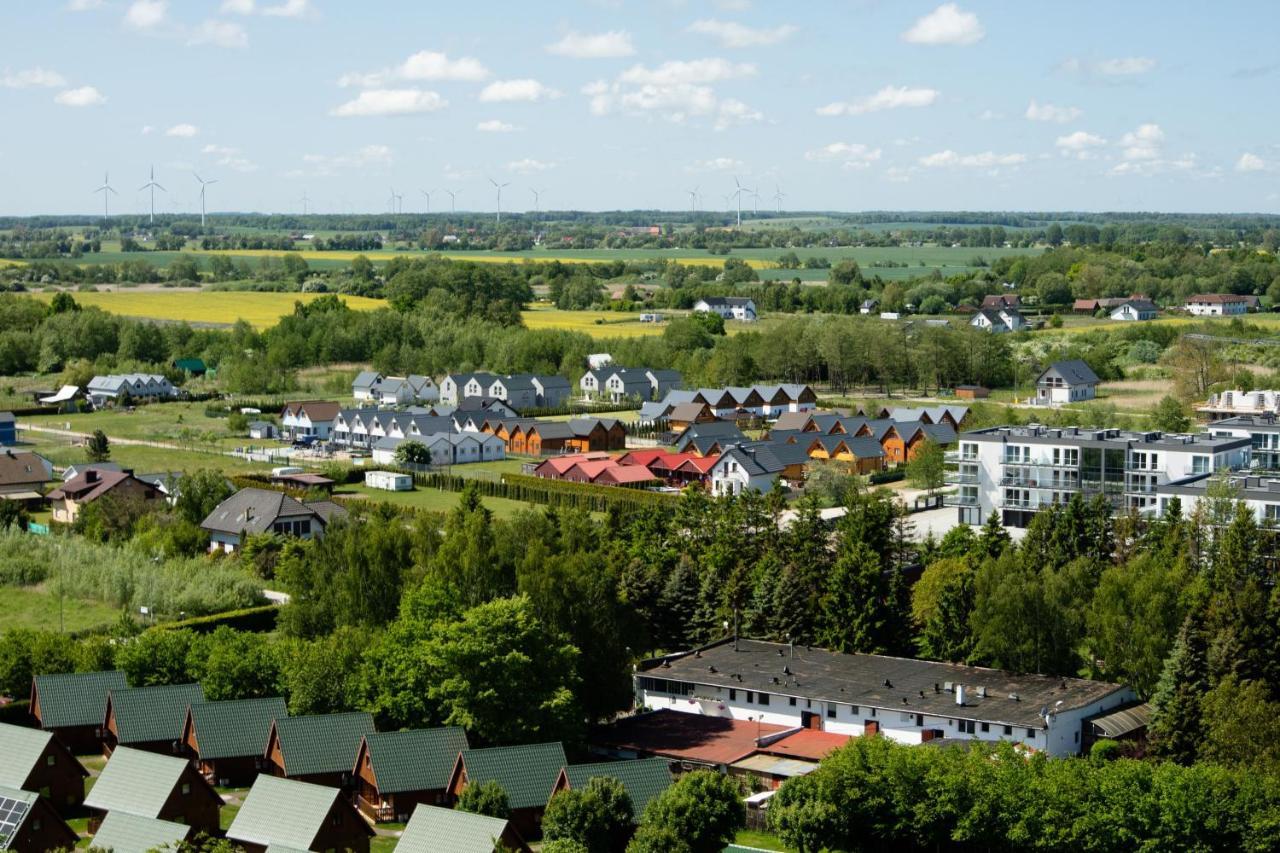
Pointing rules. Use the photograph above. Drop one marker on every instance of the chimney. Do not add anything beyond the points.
(959, 694)
(91, 476)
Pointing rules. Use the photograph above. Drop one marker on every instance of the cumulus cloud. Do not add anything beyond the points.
(732, 112)
(494, 125)
(1080, 144)
(1143, 144)
(147, 130)
(365, 158)
(888, 98)
(288, 9)
(423, 65)
(84, 96)
(676, 91)
(607, 45)
(529, 166)
(1142, 153)
(851, 155)
(29, 78)
(692, 72)
(526, 89)
(219, 34)
(734, 35)
(145, 14)
(1252, 163)
(237, 7)
(391, 102)
(184, 130)
(985, 160)
(1050, 112)
(946, 24)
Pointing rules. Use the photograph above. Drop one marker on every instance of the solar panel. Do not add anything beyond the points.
(12, 813)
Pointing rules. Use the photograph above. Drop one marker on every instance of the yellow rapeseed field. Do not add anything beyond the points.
(207, 306)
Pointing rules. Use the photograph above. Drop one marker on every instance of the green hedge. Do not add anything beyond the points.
(887, 476)
(521, 487)
(16, 713)
(258, 619)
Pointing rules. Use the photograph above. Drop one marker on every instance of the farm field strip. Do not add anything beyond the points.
(259, 309)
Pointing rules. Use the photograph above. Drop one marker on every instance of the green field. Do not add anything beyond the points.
(36, 607)
(434, 500)
(145, 460)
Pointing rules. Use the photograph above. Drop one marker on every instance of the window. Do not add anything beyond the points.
(920, 720)
(1031, 734)
(1008, 730)
(1199, 464)
(854, 709)
(872, 711)
(764, 698)
(50, 760)
(751, 696)
(793, 701)
(986, 727)
(831, 710)
(733, 695)
(186, 788)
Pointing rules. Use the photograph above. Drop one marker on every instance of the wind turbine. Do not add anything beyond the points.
(153, 186)
(391, 202)
(693, 199)
(537, 195)
(203, 184)
(738, 193)
(499, 187)
(304, 201)
(453, 201)
(427, 193)
(755, 200)
(778, 196)
(107, 191)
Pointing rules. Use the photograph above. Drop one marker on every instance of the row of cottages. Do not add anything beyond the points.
(520, 390)
(540, 438)
(898, 441)
(740, 308)
(369, 386)
(768, 401)
(113, 387)
(256, 511)
(362, 428)
(845, 422)
(598, 468)
(628, 383)
(446, 448)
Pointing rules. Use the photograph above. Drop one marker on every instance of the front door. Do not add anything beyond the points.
(810, 720)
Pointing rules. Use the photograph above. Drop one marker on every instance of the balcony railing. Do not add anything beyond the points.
(1049, 484)
(957, 456)
(1042, 462)
(959, 477)
(960, 500)
(1030, 503)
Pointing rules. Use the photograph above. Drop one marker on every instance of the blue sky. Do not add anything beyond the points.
(613, 104)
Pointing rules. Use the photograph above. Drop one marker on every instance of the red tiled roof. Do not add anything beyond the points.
(641, 457)
(592, 468)
(80, 489)
(626, 474)
(670, 461)
(686, 736)
(806, 743)
(699, 464)
(1213, 298)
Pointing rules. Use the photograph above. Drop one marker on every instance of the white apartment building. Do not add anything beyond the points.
(1216, 305)
(909, 701)
(1018, 470)
(1260, 494)
(1263, 432)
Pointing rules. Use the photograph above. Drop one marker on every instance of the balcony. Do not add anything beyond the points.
(1047, 484)
(956, 456)
(1042, 462)
(1030, 503)
(960, 477)
(959, 500)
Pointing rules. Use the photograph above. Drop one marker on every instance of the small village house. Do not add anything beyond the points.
(159, 787)
(398, 770)
(308, 420)
(527, 773)
(318, 818)
(251, 511)
(439, 830)
(1066, 382)
(1216, 305)
(75, 494)
(226, 739)
(320, 749)
(148, 718)
(740, 308)
(35, 760)
(24, 476)
(31, 825)
(1134, 309)
(72, 705)
(121, 832)
(643, 779)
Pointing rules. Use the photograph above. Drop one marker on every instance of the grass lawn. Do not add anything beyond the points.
(383, 843)
(758, 840)
(168, 422)
(145, 460)
(35, 607)
(206, 306)
(227, 815)
(434, 500)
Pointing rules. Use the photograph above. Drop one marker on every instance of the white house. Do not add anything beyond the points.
(1216, 304)
(251, 511)
(997, 320)
(112, 388)
(1134, 309)
(739, 308)
(308, 419)
(908, 701)
(365, 386)
(455, 387)
(1066, 382)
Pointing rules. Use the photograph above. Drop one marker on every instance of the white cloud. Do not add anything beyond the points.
(1144, 143)
(85, 96)
(529, 166)
(146, 14)
(184, 130)
(228, 158)
(946, 24)
(237, 7)
(732, 34)
(1252, 163)
(851, 155)
(288, 9)
(517, 90)
(391, 102)
(494, 125)
(423, 65)
(607, 45)
(692, 72)
(731, 112)
(1080, 144)
(985, 160)
(219, 34)
(31, 78)
(717, 164)
(888, 98)
(367, 157)
(147, 130)
(1125, 66)
(83, 5)
(1050, 112)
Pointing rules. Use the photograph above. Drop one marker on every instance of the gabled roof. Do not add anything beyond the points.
(414, 760)
(92, 484)
(281, 813)
(122, 832)
(624, 474)
(688, 412)
(516, 382)
(136, 782)
(550, 380)
(234, 728)
(323, 743)
(75, 698)
(253, 510)
(794, 420)
(942, 433)
(318, 411)
(18, 806)
(527, 773)
(863, 447)
(1073, 371)
(145, 714)
(809, 744)
(438, 830)
(366, 379)
(551, 429)
(20, 751)
(1215, 298)
(1137, 304)
(22, 468)
(643, 778)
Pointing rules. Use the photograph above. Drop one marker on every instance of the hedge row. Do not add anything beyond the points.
(887, 476)
(521, 487)
(257, 619)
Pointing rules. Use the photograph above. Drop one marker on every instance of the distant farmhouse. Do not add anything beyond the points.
(1216, 305)
(740, 308)
(113, 388)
